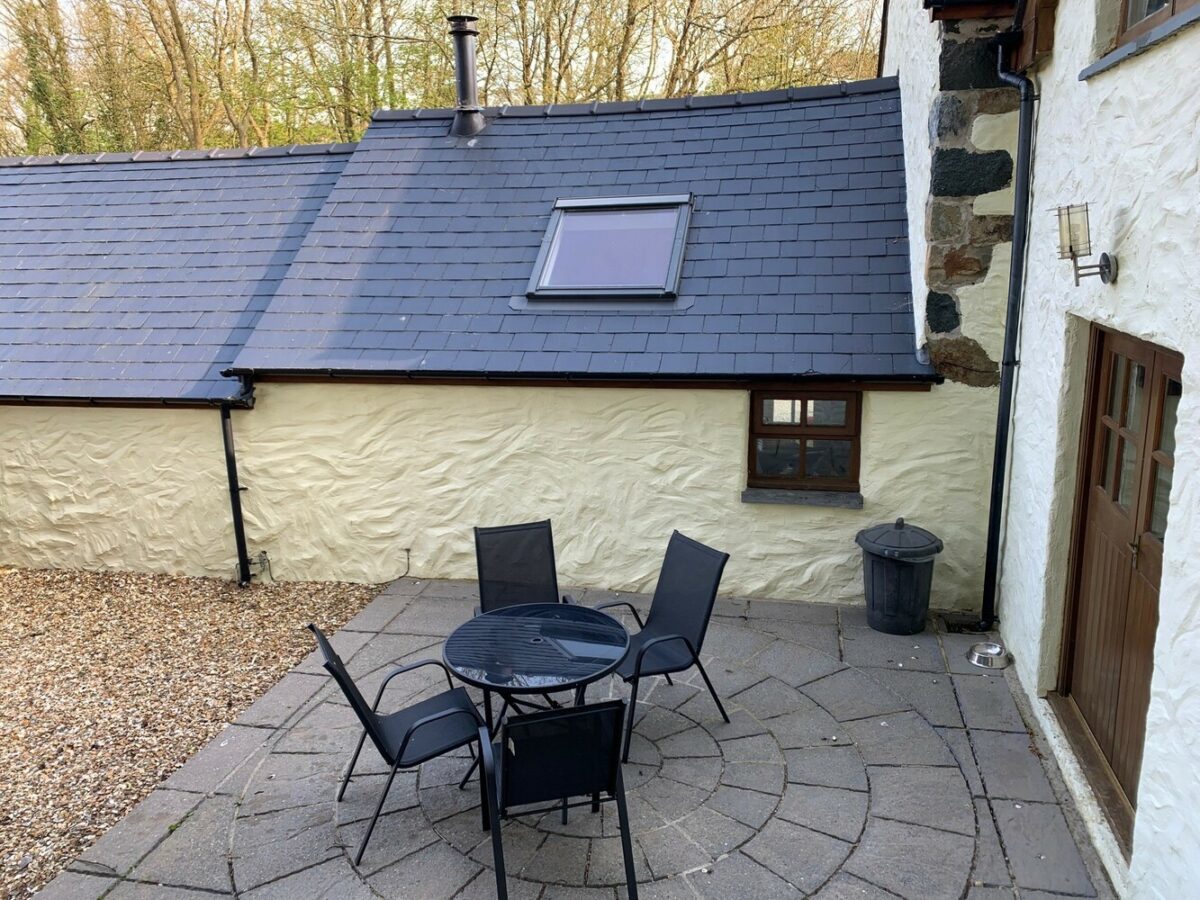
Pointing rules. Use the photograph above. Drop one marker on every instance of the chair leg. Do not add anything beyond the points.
(564, 811)
(350, 770)
(711, 690)
(491, 822)
(633, 692)
(471, 771)
(626, 846)
(668, 677)
(362, 848)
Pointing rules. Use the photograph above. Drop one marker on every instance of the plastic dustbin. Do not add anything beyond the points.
(897, 574)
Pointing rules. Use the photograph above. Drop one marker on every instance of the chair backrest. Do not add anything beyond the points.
(561, 753)
(516, 565)
(337, 668)
(687, 588)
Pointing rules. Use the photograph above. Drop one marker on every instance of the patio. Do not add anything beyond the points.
(856, 765)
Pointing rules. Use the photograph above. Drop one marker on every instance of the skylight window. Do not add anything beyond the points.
(623, 248)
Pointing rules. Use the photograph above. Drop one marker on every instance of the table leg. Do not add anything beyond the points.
(487, 707)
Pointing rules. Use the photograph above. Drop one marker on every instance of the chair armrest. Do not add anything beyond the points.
(661, 639)
(626, 603)
(400, 670)
(430, 719)
(486, 755)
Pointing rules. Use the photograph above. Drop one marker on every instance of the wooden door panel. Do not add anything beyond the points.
(1125, 487)
(1100, 623)
(1133, 695)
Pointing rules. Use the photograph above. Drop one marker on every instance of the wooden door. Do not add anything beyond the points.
(1134, 395)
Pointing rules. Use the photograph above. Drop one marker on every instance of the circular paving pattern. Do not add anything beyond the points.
(824, 783)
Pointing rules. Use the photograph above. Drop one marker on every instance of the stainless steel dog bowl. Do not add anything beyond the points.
(988, 655)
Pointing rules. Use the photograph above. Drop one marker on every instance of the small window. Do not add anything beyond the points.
(1139, 16)
(804, 440)
(618, 248)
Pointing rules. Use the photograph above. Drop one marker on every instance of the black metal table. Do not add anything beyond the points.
(535, 648)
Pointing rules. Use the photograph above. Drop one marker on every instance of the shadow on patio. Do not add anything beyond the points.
(856, 765)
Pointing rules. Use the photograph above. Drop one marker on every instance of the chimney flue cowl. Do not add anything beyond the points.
(468, 116)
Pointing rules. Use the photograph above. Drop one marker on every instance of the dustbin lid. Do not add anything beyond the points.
(899, 540)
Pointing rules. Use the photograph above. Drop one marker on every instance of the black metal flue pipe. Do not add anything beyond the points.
(468, 115)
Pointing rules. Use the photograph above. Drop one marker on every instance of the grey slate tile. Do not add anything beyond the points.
(356, 258)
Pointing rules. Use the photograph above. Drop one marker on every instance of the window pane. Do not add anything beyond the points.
(1160, 501)
(830, 413)
(1128, 473)
(827, 459)
(1166, 442)
(1135, 408)
(1110, 461)
(1116, 388)
(783, 412)
(777, 457)
(611, 248)
(1140, 9)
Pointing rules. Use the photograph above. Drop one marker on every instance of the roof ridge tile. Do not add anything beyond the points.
(179, 155)
(652, 105)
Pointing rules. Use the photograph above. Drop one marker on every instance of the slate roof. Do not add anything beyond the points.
(144, 276)
(796, 262)
(140, 276)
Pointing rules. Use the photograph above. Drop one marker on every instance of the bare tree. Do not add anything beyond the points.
(120, 74)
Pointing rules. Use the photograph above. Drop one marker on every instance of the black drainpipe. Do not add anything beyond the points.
(1012, 323)
(235, 489)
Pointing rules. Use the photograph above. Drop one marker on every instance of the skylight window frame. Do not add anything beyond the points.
(669, 290)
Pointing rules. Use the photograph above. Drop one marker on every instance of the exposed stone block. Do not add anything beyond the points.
(962, 359)
(941, 312)
(997, 101)
(990, 229)
(969, 65)
(948, 118)
(946, 221)
(964, 264)
(960, 173)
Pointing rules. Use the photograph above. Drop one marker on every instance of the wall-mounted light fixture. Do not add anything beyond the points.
(1075, 243)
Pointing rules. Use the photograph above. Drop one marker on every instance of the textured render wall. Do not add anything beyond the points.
(1127, 142)
(137, 489)
(911, 52)
(343, 477)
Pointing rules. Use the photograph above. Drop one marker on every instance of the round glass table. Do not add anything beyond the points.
(536, 648)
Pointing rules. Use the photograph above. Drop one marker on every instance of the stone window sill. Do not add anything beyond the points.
(1154, 36)
(834, 499)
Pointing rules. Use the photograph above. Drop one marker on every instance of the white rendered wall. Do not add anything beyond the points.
(1127, 142)
(912, 51)
(343, 477)
(136, 489)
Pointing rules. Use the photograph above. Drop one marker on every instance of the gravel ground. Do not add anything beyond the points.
(110, 681)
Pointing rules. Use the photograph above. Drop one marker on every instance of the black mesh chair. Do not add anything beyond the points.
(516, 565)
(672, 636)
(409, 737)
(548, 758)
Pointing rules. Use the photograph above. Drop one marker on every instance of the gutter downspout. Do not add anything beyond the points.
(1012, 325)
(235, 489)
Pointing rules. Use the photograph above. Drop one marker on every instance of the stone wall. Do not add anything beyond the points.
(968, 217)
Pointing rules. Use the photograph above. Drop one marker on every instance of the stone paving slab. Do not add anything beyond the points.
(855, 764)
